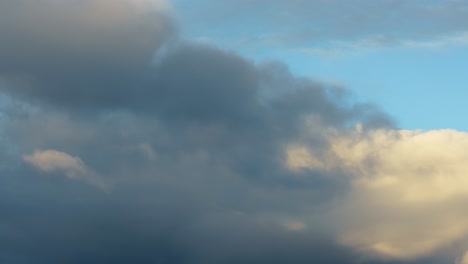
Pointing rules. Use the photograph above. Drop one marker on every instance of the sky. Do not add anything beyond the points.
(370, 47)
(248, 131)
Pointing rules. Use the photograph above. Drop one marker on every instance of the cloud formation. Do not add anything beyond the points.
(204, 150)
(408, 187)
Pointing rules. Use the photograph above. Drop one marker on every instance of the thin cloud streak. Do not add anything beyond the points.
(74, 168)
(327, 27)
(343, 48)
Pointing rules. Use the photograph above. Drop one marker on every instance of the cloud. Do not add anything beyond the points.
(295, 226)
(336, 48)
(59, 37)
(73, 167)
(463, 259)
(326, 27)
(192, 146)
(407, 193)
(203, 149)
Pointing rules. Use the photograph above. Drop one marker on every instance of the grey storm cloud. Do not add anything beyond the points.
(191, 140)
(73, 35)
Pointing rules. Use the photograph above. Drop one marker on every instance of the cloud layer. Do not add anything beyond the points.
(211, 157)
(327, 27)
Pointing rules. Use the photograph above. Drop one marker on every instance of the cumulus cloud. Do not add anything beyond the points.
(192, 146)
(204, 149)
(407, 193)
(72, 167)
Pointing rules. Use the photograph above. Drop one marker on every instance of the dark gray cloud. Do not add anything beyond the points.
(192, 141)
(45, 220)
(59, 37)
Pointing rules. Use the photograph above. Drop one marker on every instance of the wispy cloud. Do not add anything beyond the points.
(327, 28)
(74, 168)
(375, 43)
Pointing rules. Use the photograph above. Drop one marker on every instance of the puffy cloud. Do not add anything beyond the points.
(193, 146)
(73, 167)
(408, 189)
(193, 151)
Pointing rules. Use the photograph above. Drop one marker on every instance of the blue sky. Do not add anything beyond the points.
(409, 57)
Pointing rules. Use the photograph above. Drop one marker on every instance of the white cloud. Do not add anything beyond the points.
(72, 167)
(408, 189)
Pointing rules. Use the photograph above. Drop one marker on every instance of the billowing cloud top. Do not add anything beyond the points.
(173, 152)
(408, 187)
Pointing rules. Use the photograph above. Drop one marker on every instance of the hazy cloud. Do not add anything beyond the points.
(68, 35)
(337, 48)
(463, 259)
(327, 27)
